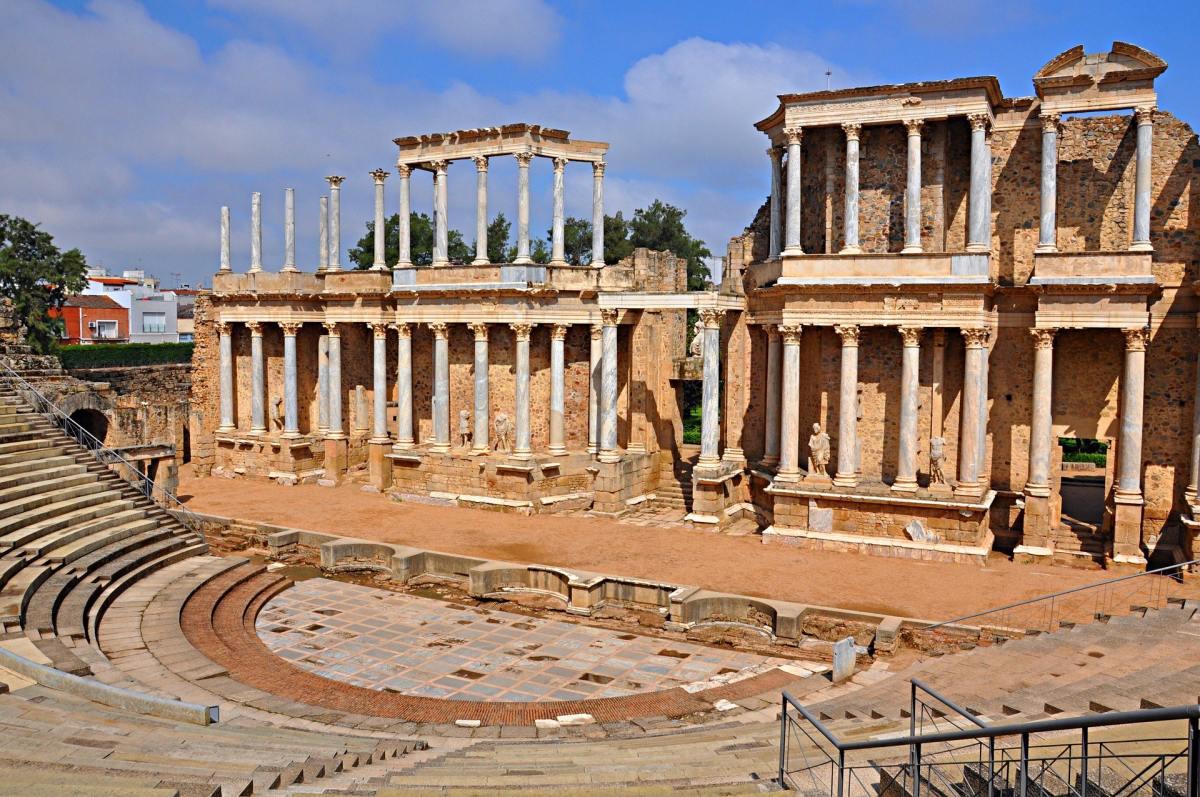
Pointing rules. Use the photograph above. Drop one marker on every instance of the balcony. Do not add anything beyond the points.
(888, 268)
(1092, 268)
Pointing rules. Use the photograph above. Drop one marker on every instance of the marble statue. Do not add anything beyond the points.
(464, 428)
(277, 412)
(818, 452)
(696, 347)
(937, 456)
(504, 431)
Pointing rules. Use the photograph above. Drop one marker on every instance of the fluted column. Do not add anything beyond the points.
(598, 214)
(289, 230)
(379, 262)
(441, 222)
(523, 159)
(912, 189)
(595, 386)
(322, 385)
(910, 383)
(291, 404)
(979, 221)
(847, 444)
(225, 337)
(441, 387)
(771, 432)
(522, 448)
(323, 237)
(404, 259)
(334, 381)
(226, 265)
(255, 232)
(558, 336)
(404, 402)
(608, 390)
(789, 421)
(852, 130)
(258, 382)
(795, 136)
(1041, 428)
(557, 244)
(481, 210)
(379, 431)
(482, 409)
(1133, 388)
(1048, 225)
(335, 222)
(968, 432)
(776, 226)
(710, 408)
(1142, 180)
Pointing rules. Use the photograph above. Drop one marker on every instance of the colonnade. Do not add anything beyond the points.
(602, 435)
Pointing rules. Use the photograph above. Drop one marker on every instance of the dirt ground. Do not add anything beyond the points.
(929, 590)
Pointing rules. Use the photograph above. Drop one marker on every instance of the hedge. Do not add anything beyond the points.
(112, 355)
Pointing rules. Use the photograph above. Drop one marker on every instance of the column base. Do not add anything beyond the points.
(769, 462)
(978, 248)
(791, 252)
(440, 263)
(557, 263)
(332, 269)
(1046, 249)
(479, 451)
(913, 250)
(403, 264)
(971, 491)
(226, 429)
(522, 261)
(254, 270)
(376, 441)
(259, 430)
(558, 451)
(378, 267)
(904, 486)
(788, 476)
(481, 261)
(592, 448)
(335, 435)
(734, 456)
(1141, 246)
(608, 457)
(845, 480)
(289, 270)
(851, 250)
(402, 445)
(290, 434)
(522, 454)
(440, 448)
(708, 461)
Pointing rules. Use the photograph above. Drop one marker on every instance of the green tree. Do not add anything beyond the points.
(539, 251)
(617, 245)
(660, 227)
(497, 239)
(37, 276)
(420, 236)
(577, 240)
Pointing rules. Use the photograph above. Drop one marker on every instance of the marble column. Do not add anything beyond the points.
(333, 381)
(1048, 225)
(323, 384)
(1041, 425)
(258, 380)
(710, 408)
(1142, 180)
(482, 409)
(481, 211)
(379, 391)
(441, 221)
(598, 214)
(404, 402)
(522, 448)
(910, 384)
(523, 159)
(558, 336)
(379, 262)
(847, 444)
(226, 265)
(912, 189)
(255, 232)
(1133, 386)
(335, 222)
(979, 222)
(981, 447)
(968, 432)
(225, 337)
(774, 363)
(853, 131)
(1192, 493)
(441, 387)
(323, 237)
(404, 259)
(795, 135)
(291, 404)
(289, 230)
(608, 388)
(789, 420)
(595, 386)
(776, 219)
(557, 243)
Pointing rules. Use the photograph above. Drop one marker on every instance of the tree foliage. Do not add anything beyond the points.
(420, 243)
(497, 239)
(660, 227)
(37, 277)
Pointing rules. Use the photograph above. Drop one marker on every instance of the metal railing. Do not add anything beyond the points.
(139, 479)
(1028, 759)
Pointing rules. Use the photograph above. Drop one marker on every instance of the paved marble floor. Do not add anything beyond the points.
(384, 640)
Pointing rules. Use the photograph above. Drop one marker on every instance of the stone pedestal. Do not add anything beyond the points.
(1127, 530)
(379, 467)
(335, 459)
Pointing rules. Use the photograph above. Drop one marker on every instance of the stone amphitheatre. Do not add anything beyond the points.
(434, 528)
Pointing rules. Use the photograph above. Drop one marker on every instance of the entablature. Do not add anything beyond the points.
(512, 139)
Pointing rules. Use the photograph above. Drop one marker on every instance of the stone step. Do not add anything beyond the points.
(96, 610)
(41, 488)
(14, 531)
(71, 543)
(21, 472)
(49, 494)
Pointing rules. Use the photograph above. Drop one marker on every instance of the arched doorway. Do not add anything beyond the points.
(93, 421)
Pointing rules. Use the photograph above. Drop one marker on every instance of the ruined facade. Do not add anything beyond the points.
(944, 282)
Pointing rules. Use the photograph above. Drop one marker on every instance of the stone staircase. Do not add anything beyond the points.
(675, 486)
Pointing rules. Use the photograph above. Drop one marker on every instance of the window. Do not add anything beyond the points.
(154, 322)
(106, 330)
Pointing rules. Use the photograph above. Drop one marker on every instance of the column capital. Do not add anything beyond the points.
(255, 328)
(379, 175)
(379, 328)
(710, 317)
(597, 331)
(480, 329)
(481, 163)
(975, 337)
(1043, 337)
(1145, 114)
(521, 329)
(335, 180)
(979, 121)
(608, 317)
(852, 130)
(559, 331)
(598, 168)
(331, 328)
(403, 329)
(848, 333)
(913, 126)
(440, 166)
(523, 158)
(791, 333)
(404, 170)
(775, 154)
(560, 163)
(224, 327)
(439, 329)
(1136, 339)
(794, 135)
(290, 328)
(911, 336)
(771, 330)
(1050, 122)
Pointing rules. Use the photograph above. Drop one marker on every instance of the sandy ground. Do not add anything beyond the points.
(930, 590)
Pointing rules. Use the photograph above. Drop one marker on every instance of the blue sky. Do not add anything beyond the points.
(127, 125)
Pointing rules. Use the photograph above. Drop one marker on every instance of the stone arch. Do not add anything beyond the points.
(90, 410)
(95, 422)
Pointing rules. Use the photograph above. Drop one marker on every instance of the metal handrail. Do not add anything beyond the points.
(105, 455)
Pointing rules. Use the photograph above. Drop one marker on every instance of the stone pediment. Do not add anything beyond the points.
(1078, 81)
